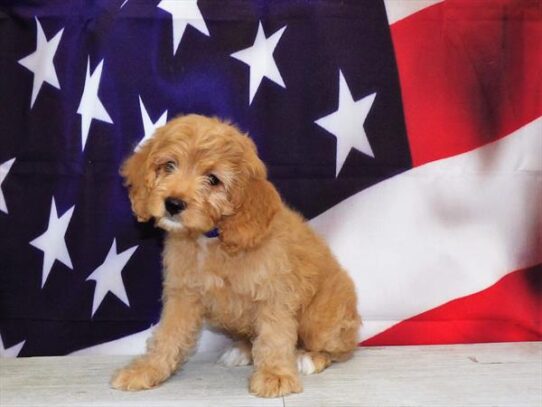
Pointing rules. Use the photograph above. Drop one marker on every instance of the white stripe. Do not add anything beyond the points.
(399, 9)
(427, 236)
(441, 231)
(135, 344)
(129, 345)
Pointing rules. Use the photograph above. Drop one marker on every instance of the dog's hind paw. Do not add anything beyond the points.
(305, 365)
(237, 355)
(312, 362)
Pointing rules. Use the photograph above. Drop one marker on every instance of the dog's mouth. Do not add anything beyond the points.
(169, 223)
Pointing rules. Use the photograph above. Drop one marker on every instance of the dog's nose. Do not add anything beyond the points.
(174, 206)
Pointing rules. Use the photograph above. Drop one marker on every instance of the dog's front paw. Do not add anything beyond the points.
(269, 384)
(138, 376)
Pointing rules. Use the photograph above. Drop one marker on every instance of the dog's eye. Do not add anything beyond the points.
(170, 166)
(213, 180)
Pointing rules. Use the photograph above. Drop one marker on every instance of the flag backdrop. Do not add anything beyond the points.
(408, 132)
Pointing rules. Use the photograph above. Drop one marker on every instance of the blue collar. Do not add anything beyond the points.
(212, 233)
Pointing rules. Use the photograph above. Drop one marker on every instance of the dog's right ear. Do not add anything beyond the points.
(138, 178)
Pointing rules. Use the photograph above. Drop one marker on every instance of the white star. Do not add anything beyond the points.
(183, 12)
(346, 124)
(260, 59)
(90, 106)
(40, 62)
(4, 171)
(52, 242)
(108, 276)
(12, 352)
(148, 126)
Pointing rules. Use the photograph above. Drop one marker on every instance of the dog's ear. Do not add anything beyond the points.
(256, 202)
(138, 178)
(249, 224)
(252, 166)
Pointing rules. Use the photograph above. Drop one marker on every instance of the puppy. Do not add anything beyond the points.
(267, 279)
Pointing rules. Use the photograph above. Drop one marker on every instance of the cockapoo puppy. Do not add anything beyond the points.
(267, 279)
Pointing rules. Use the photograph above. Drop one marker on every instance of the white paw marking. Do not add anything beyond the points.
(234, 357)
(305, 365)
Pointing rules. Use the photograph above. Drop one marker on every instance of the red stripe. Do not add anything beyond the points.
(508, 311)
(470, 71)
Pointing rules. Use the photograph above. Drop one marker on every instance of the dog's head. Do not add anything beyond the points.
(197, 173)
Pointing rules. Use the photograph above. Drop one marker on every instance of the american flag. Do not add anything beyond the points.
(408, 132)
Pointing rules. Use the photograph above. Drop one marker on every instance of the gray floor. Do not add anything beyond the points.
(458, 375)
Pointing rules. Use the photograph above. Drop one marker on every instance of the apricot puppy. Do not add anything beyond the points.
(267, 279)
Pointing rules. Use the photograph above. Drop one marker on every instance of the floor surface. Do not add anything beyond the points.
(505, 374)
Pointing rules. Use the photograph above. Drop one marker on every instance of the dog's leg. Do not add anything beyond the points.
(169, 346)
(274, 354)
(329, 326)
(238, 354)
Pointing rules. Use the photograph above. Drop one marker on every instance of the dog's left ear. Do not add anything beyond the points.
(250, 223)
(256, 202)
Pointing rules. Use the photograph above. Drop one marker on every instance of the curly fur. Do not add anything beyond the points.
(268, 280)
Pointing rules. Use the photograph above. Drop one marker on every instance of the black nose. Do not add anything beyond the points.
(174, 206)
